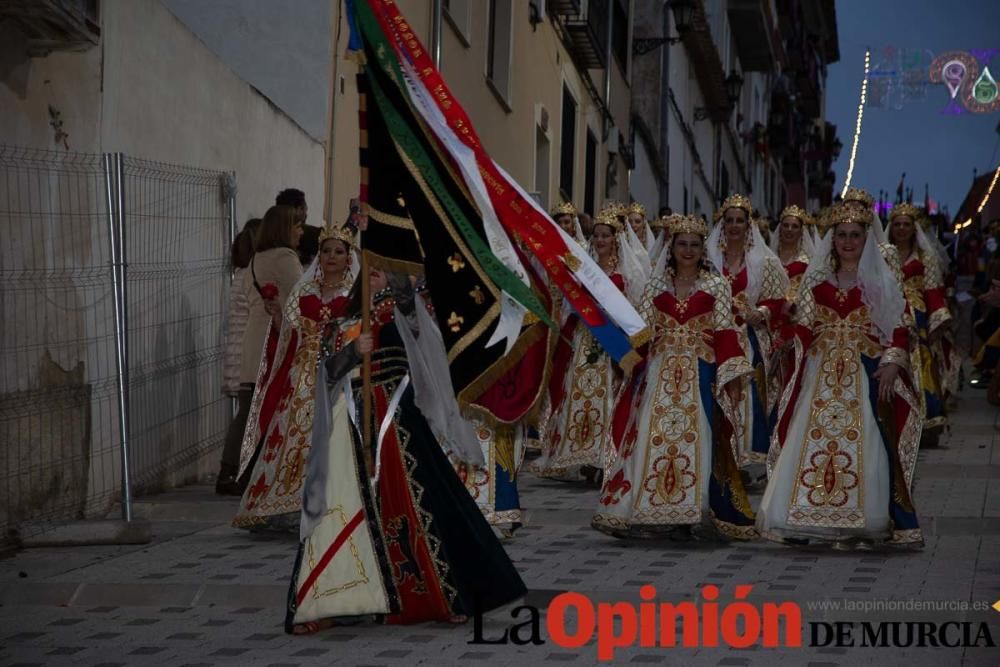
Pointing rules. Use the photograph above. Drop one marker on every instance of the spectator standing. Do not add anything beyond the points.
(239, 311)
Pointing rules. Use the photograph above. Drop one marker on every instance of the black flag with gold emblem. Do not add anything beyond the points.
(421, 219)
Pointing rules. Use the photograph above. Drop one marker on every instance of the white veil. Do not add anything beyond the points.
(577, 233)
(633, 264)
(313, 276)
(932, 249)
(639, 250)
(756, 256)
(879, 289)
(806, 244)
(433, 392)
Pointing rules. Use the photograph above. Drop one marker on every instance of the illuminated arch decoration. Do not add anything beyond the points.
(970, 88)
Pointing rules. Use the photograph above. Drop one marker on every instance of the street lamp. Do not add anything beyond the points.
(734, 84)
(683, 11)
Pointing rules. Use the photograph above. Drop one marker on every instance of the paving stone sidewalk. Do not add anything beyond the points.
(206, 594)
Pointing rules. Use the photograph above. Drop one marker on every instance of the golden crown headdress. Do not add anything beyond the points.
(859, 195)
(907, 209)
(564, 208)
(764, 225)
(344, 233)
(615, 208)
(685, 224)
(794, 211)
(734, 201)
(637, 207)
(610, 218)
(842, 214)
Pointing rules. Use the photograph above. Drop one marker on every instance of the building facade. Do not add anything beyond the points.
(729, 96)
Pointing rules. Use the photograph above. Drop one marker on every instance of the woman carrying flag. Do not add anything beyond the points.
(388, 531)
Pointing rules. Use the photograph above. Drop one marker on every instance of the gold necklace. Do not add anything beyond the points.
(682, 303)
(841, 290)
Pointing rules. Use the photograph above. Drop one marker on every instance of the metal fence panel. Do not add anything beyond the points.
(61, 216)
(58, 394)
(176, 222)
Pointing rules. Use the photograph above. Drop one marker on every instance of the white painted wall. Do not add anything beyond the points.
(151, 90)
(165, 97)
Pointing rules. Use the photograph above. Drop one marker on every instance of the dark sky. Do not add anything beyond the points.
(930, 147)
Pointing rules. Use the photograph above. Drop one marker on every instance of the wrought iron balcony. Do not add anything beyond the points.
(54, 25)
(588, 35)
(752, 23)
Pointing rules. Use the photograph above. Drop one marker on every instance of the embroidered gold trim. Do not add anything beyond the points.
(391, 220)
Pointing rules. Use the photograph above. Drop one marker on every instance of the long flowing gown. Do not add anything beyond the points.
(674, 456)
(756, 436)
(841, 462)
(784, 359)
(281, 422)
(411, 546)
(922, 285)
(581, 394)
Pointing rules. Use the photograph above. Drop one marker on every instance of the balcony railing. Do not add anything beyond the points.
(588, 35)
(54, 25)
(751, 25)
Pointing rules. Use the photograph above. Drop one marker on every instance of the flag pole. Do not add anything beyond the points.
(366, 364)
(337, 12)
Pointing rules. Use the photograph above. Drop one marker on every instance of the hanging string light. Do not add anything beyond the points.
(857, 125)
(982, 204)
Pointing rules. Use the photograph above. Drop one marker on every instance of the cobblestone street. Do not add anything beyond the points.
(204, 593)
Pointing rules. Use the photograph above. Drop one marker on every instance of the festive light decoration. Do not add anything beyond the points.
(982, 204)
(857, 124)
(971, 87)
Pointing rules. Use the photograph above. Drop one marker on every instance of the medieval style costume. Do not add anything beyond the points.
(636, 214)
(674, 460)
(567, 217)
(842, 459)
(924, 291)
(950, 359)
(389, 531)
(758, 284)
(584, 378)
(795, 265)
(276, 442)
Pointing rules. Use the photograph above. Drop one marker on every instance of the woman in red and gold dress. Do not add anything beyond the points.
(849, 423)
(793, 244)
(584, 378)
(674, 465)
(924, 290)
(274, 496)
(737, 250)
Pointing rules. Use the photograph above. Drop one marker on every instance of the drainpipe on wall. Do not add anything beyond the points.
(436, 32)
(609, 123)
